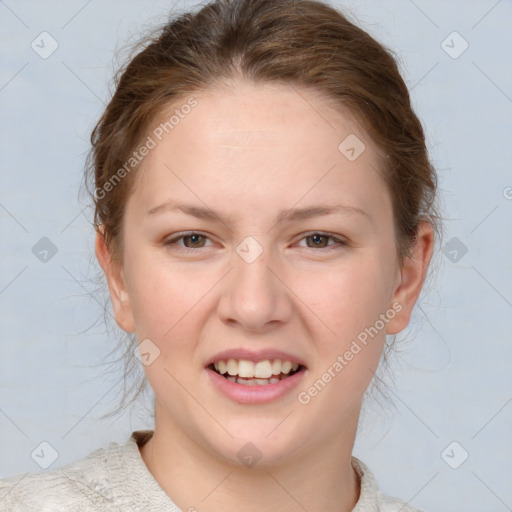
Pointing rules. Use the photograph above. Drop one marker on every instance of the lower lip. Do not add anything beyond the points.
(258, 394)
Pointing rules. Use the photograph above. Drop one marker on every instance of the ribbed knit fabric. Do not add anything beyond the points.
(116, 479)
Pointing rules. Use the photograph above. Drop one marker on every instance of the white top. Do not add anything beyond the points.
(117, 479)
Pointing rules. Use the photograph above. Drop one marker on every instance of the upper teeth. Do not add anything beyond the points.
(261, 370)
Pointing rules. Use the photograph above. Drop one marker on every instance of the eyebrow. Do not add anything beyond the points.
(290, 215)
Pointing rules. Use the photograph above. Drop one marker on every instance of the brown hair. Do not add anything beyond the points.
(303, 42)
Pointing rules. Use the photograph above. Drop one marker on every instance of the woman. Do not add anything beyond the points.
(264, 213)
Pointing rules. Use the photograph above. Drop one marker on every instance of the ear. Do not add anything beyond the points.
(411, 278)
(116, 284)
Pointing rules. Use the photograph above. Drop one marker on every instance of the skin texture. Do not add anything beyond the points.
(249, 152)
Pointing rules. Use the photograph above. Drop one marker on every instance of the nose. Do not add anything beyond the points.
(254, 296)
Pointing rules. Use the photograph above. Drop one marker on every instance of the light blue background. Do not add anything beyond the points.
(452, 377)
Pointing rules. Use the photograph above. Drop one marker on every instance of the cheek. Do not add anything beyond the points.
(348, 298)
(350, 302)
(169, 307)
(163, 297)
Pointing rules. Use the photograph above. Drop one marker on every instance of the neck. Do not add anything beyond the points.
(195, 478)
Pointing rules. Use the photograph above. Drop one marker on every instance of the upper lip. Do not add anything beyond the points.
(254, 355)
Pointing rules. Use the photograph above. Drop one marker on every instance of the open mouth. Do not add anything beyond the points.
(262, 373)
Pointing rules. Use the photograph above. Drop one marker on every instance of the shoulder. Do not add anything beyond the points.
(371, 498)
(83, 485)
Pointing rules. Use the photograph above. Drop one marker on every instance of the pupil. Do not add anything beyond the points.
(194, 239)
(318, 240)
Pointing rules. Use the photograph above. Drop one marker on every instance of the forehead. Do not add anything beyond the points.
(265, 141)
(246, 113)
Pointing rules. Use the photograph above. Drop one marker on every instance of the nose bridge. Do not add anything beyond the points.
(253, 297)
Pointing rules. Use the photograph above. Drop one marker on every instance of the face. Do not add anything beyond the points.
(257, 232)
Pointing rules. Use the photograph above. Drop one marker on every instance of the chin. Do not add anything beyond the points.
(257, 443)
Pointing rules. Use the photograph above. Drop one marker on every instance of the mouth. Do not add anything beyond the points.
(250, 373)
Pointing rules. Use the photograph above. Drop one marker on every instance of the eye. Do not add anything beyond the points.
(194, 240)
(190, 241)
(320, 241)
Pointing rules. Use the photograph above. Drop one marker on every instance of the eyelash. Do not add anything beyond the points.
(172, 241)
